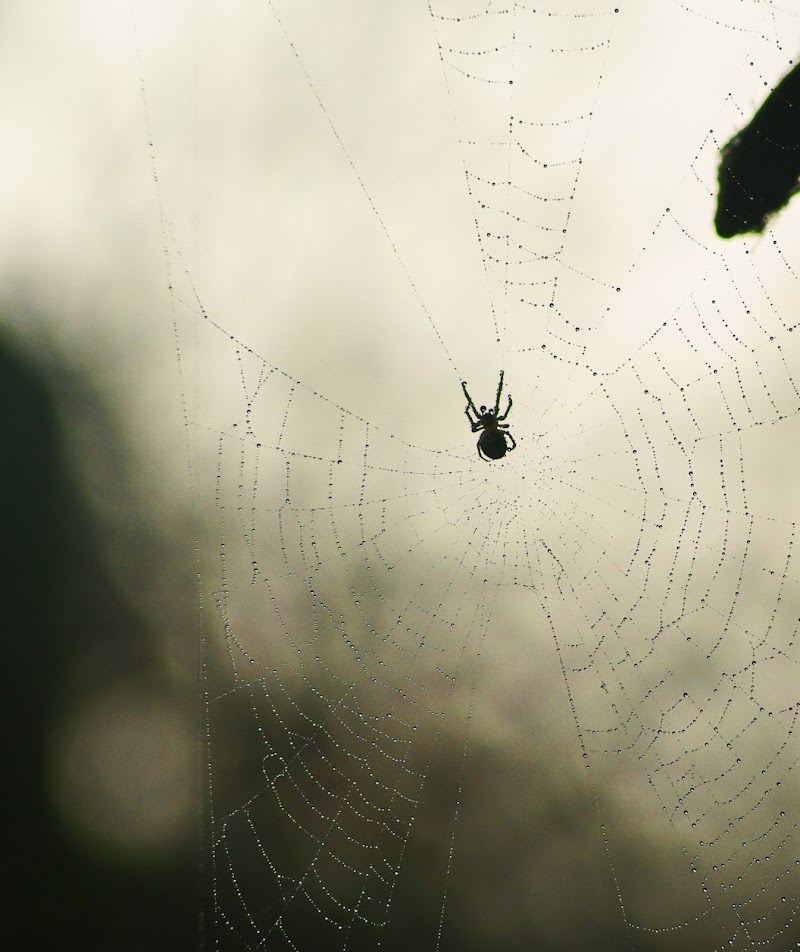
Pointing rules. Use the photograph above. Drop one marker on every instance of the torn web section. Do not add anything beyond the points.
(337, 641)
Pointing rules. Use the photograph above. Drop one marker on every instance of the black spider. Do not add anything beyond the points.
(492, 443)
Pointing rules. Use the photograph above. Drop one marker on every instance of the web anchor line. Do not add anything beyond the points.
(365, 190)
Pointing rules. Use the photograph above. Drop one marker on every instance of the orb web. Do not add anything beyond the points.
(416, 664)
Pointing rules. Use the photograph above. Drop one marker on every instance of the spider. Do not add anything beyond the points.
(492, 443)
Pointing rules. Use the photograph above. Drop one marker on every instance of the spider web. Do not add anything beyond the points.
(548, 702)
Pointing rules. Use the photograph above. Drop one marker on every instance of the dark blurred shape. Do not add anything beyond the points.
(69, 632)
(760, 165)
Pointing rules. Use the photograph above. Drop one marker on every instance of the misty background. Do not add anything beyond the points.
(241, 284)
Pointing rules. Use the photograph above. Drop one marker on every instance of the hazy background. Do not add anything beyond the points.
(162, 162)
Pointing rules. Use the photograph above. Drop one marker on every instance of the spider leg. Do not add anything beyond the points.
(508, 410)
(499, 391)
(513, 442)
(470, 404)
(475, 424)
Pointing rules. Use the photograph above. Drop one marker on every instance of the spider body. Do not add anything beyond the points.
(492, 442)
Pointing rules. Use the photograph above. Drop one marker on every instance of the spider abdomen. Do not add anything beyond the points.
(493, 444)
